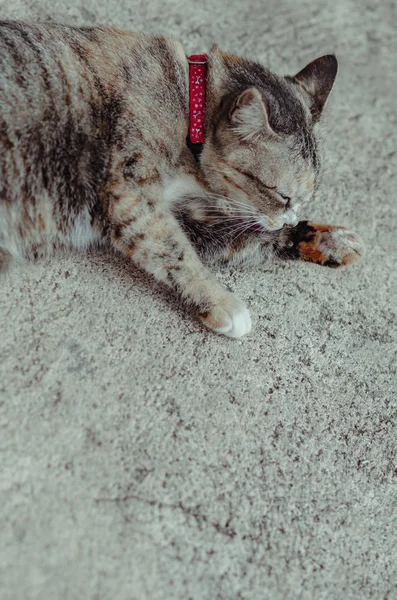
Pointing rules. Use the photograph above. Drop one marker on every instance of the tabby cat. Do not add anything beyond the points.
(94, 149)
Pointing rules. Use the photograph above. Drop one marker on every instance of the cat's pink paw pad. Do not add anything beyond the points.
(231, 318)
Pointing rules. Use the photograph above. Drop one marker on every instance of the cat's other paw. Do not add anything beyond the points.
(327, 245)
(229, 316)
(340, 246)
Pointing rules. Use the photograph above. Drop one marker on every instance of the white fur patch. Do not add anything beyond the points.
(82, 234)
(239, 324)
(180, 186)
(232, 318)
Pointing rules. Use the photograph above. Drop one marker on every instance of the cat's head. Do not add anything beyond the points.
(261, 150)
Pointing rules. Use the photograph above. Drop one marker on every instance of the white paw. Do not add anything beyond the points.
(231, 317)
(234, 324)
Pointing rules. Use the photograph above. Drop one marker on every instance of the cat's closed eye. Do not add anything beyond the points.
(284, 199)
(287, 199)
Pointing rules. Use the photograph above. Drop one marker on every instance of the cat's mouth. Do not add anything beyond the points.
(276, 224)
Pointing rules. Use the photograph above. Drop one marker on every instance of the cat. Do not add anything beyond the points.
(94, 149)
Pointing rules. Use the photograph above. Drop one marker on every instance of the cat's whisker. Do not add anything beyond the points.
(242, 227)
(239, 216)
(235, 220)
(240, 206)
(244, 230)
(220, 195)
(231, 210)
(215, 212)
(219, 206)
(239, 222)
(235, 223)
(231, 220)
(230, 200)
(236, 226)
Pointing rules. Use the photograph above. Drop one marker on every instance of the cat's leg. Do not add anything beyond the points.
(327, 245)
(145, 230)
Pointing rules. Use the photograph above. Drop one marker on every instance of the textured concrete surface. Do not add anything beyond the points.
(142, 457)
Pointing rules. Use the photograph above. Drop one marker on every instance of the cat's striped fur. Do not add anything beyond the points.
(93, 127)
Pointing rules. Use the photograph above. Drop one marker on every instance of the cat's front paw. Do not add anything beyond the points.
(229, 316)
(341, 246)
(327, 245)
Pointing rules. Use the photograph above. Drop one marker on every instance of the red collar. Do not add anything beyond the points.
(197, 65)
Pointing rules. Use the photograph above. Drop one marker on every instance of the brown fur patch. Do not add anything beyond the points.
(236, 246)
(41, 223)
(308, 251)
(131, 249)
(209, 320)
(231, 58)
(321, 227)
(126, 213)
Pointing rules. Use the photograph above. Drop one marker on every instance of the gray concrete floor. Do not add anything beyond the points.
(144, 458)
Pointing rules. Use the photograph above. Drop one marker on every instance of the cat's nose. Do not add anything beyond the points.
(291, 218)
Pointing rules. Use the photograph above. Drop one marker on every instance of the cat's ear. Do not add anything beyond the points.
(248, 114)
(317, 79)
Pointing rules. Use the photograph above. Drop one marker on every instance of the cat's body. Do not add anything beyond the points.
(93, 150)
